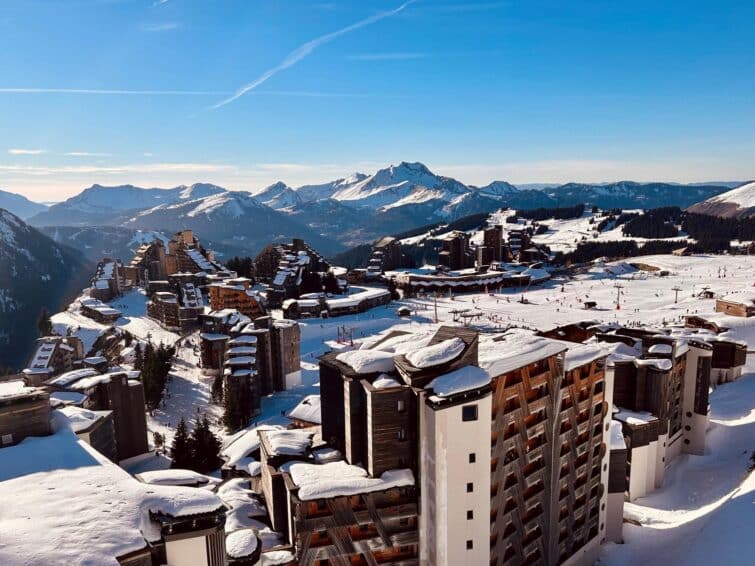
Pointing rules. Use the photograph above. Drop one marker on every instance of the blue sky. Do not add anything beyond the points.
(149, 92)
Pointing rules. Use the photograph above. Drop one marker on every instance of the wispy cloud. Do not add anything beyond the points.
(160, 2)
(20, 151)
(126, 92)
(86, 154)
(306, 49)
(161, 26)
(138, 168)
(24, 90)
(386, 56)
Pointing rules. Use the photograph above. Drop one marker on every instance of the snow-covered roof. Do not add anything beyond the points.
(458, 381)
(237, 449)
(517, 349)
(289, 442)
(82, 419)
(634, 417)
(66, 398)
(73, 506)
(241, 543)
(69, 377)
(385, 382)
(308, 410)
(367, 361)
(174, 476)
(661, 364)
(581, 354)
(16, 390)
(337, 479)
(436, 354)
(241, 340)
(660, 349)
(242, 350)
(617, 436)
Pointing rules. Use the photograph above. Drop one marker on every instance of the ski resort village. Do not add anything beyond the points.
(513, 395)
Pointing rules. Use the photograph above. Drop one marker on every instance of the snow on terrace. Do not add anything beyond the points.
(73, 506)
(337, 479)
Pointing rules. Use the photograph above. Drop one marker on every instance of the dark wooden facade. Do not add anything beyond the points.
(547, 446)
(360, 530)
(21, 417)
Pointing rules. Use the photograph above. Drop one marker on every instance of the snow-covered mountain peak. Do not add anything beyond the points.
(199, 190)
(278, 195)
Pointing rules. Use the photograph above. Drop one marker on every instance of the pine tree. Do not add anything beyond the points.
(181, 449)
(43, 322)
(217, 390)
(233, 417)
(138, 357)
(205, 447)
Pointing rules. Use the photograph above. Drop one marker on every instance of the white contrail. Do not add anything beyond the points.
(302, 51)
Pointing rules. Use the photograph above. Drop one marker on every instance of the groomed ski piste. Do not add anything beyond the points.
(705, 509)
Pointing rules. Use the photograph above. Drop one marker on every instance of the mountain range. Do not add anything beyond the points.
(737, 203)
(19, 205)
(34, 272)
(338, 214)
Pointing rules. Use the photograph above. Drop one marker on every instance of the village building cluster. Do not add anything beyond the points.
(428, 444)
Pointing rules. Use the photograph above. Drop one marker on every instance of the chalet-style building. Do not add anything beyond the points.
(492, 249)
(53, 355)
(53, 475)
(185, 254)
(288, 269)
(737, 305)
(474, 420)
(120, 392)
(455, 253)
(306, 413)
(109, 280)
(178, 311)
(236, 294)
(24, 412)
(277, 345)
(96, 428)
(97, 310)
(386, 256)
(316, 305)
(458, 282)
(334, 511)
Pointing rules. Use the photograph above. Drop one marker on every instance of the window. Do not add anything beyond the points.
(470, 515)
(401, 406)
(401, 434)
(470, 545)
(470, 487)
(472, 457)
(469, 413)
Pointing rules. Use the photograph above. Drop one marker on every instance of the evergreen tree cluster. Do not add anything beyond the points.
(244, 266)
(710, 231)
(589, 251)
(155, 364)
(561, 213)
(198, 451)
(655, 223)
